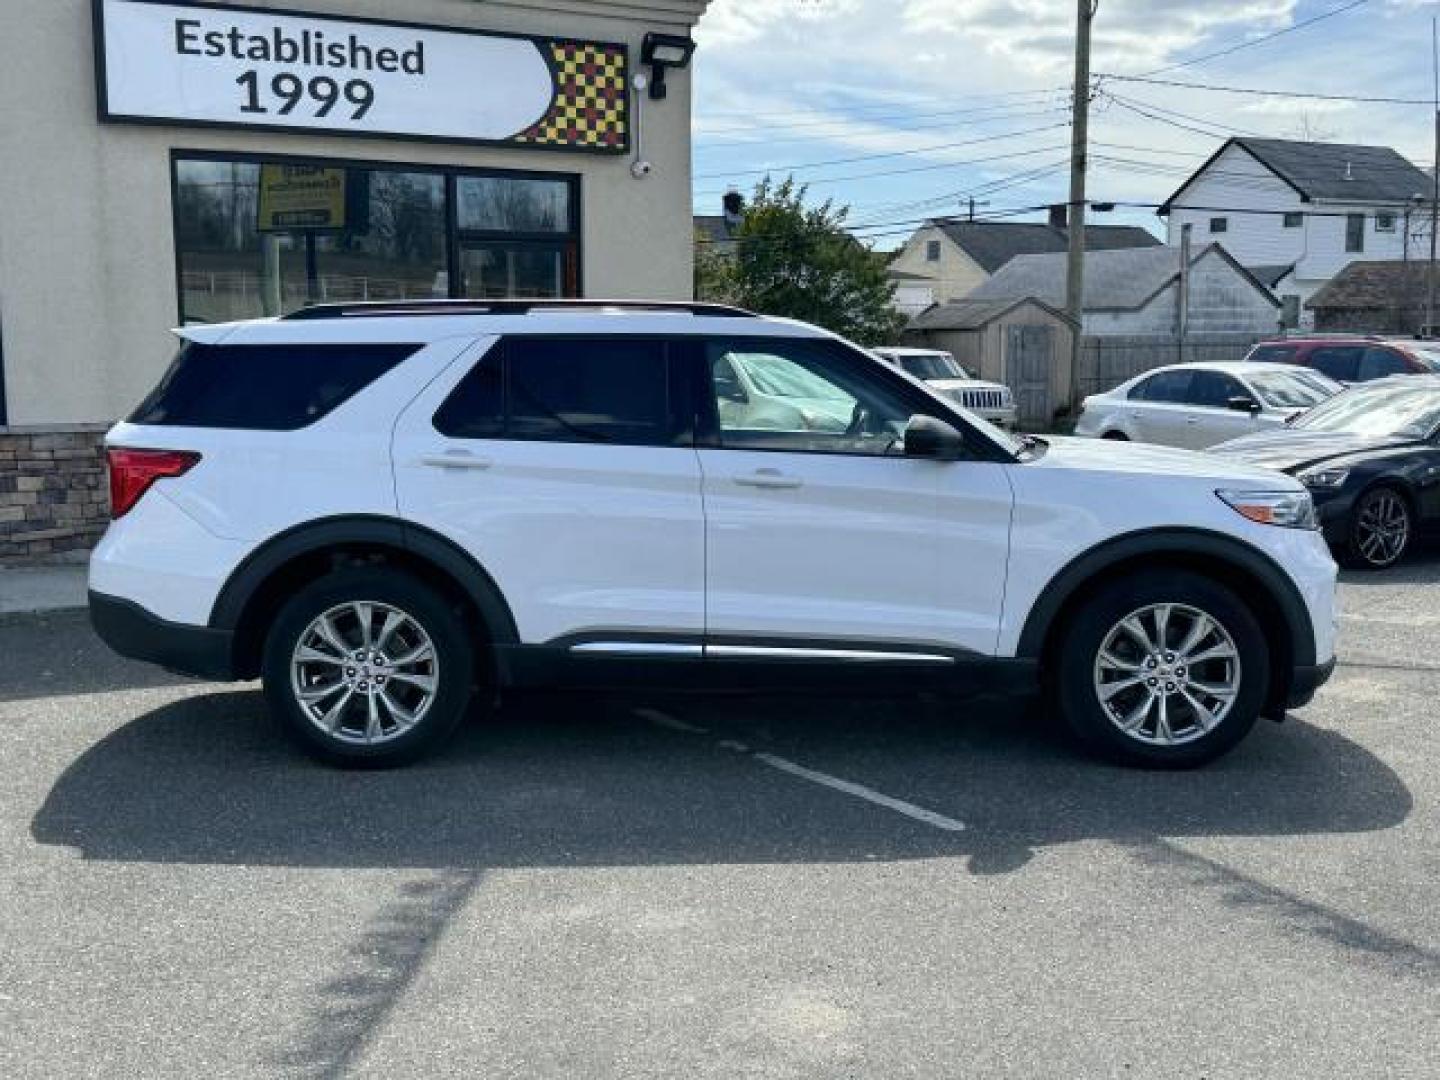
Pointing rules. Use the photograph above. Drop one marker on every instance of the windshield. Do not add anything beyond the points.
(775, 377)
(1287, 390)
(1391, 410)
(932, 366)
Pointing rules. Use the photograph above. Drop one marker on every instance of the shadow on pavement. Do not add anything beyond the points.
(582, 781)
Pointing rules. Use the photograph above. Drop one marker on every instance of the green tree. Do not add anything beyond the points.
(796, 261)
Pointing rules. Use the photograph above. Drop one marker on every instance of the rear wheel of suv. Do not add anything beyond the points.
(1163, 669)
(368, 667)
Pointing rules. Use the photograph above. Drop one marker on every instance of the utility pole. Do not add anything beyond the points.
(1079, 151)
(974, 204)
(1183, 300)
(1435, 191)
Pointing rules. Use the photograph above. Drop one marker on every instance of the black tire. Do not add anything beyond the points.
(450, 674)
(1074, 678)
(1116, 436)
(1363, 549)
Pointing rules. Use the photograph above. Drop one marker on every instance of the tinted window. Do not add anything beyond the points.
(263, 387)
(1172, 386)
(805, 397)
(1273, 354)
(1214, 390)
(1377, 363)
(610, 390)
(1340, 362)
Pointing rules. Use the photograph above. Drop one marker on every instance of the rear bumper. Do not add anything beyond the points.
(133, 632)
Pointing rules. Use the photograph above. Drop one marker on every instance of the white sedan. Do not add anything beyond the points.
(1197, 406)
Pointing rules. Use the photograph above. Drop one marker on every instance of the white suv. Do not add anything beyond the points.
(989, 400)
(379, 509)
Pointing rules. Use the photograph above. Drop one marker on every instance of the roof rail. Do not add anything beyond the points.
(390, 309)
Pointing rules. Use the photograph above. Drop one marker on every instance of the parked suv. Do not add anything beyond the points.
(1353, 359)
(988, 400)
(379, 509)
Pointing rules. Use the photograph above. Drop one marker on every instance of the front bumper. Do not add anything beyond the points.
(1001, 418)
(1306, 681)
(138, 634)
(1335, 509)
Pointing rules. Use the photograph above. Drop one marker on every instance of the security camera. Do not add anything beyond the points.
(641, 169)
(641, 81)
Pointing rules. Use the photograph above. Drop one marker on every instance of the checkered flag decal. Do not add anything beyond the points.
(590, 110)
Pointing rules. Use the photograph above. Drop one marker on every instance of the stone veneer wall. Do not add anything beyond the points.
(54, 495)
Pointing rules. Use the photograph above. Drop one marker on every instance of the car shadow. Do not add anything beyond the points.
(570, 780)
(1421, 567)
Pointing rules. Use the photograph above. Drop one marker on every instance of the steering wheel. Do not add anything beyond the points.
(859, 421)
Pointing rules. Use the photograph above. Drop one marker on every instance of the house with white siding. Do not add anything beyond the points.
(1297, 213)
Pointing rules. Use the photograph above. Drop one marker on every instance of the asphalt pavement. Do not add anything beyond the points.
(788, 887)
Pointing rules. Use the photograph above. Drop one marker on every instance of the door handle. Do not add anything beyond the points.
(456, 459)
(771, 479)
(1192, 419)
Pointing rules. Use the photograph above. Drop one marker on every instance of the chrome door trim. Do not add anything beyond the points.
(638, 648)
(781, 652)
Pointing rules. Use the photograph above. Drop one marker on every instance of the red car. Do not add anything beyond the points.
(1353, 359)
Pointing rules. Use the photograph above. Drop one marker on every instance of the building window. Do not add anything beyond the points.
(1219, 224)
(260, 237)
(932, 250)
(1294, 221)
(1354, 232)
(1384, 221)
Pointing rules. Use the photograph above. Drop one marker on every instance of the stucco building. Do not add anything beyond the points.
(165, 163)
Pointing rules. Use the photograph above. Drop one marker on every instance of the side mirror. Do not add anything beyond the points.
(927, 437)
(1243, 404)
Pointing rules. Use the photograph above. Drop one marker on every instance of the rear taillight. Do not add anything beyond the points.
(133, 471)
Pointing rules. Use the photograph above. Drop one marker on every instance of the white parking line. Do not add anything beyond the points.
(835, 783)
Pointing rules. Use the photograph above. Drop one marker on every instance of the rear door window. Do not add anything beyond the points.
(609, 390)
(1340, 362)
(1168, 386)
(263, 387)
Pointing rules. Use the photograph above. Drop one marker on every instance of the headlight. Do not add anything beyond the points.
(1324, 479)
(1288, 509)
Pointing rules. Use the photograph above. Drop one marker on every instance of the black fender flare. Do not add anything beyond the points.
(1192, 543)
(315, 536)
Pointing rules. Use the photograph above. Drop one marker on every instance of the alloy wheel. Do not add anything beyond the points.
(1382, 530)
(364, 673)
(1167, 674)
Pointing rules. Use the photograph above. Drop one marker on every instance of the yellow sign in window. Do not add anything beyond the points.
(301, 197)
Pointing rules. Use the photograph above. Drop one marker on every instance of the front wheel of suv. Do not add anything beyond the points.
(368, 667)
(1162, 669)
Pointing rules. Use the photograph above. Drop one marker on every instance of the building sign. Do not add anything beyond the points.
(193, 63)
(301, 197)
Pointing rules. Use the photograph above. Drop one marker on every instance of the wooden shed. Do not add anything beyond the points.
(1024, 344)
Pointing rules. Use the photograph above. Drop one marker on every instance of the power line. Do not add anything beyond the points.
(919, 100)
(1175, 114)
(1261, 40)
(1252, 91)
(878, 157)
(844, 127)
(913, 169)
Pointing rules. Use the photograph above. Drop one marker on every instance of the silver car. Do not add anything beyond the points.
(989, 400)
(1197, 406)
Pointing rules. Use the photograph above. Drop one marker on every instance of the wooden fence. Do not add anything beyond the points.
(1106, 362)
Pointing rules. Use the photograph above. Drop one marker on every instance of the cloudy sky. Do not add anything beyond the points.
(921, 104)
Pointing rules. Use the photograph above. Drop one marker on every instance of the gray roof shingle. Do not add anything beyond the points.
(1372, 285)
(1319, 170)
(1114, 280)
(992, 244)
(962, 314)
